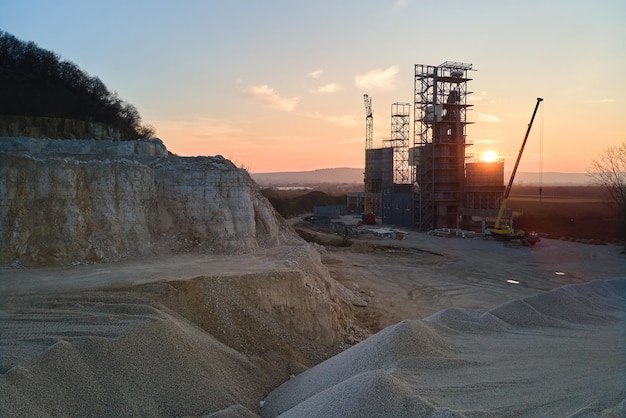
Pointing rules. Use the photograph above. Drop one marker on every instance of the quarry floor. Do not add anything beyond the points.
(421, 274)
(409, 278)
(394, 279)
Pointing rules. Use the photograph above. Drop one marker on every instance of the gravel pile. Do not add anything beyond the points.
(560, 353)
(160, 367)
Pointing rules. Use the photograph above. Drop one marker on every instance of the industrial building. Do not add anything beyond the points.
(433, 182)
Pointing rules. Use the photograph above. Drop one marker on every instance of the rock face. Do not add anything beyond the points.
(67, 201)
(209, 337)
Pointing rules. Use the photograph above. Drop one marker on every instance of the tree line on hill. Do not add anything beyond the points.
(35, 82)
(296, 202)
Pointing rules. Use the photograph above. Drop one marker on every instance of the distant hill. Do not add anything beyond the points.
(355, 176)
(304, 178)
(289, 204)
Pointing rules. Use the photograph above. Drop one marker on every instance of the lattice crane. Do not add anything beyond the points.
(369, 134)
(369, 122)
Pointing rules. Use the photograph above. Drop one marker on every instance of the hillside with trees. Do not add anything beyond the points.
(290, 203)
(37, 83)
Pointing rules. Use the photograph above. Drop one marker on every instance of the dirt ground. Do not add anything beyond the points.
(390, 279)
(410, 278)
(421, 274)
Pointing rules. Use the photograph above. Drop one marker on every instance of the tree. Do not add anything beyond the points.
(609, 171)
(37, 82)
(146, 131)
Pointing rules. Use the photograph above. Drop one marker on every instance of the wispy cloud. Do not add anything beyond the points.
(342, 120)
(328, 88)
(478, 97)
(486, 141)
(378, 79)
(484, 117)
(266, 95)
(314, 74)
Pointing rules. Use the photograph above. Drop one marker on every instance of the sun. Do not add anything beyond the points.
(489, 156)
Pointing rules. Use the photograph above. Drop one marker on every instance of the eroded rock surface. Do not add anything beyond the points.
(69, 201)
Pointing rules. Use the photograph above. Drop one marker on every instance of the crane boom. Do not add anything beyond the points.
(519, 157)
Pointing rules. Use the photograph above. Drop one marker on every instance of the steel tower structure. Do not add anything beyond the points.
(439, 143)
(369, 200)
(369, 122)
(399, 140)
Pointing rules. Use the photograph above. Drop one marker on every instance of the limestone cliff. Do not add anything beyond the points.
(68, 201)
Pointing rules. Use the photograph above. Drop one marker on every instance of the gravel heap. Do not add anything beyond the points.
(559, 353)
(159, 366)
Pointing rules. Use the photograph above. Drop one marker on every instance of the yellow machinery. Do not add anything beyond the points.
(504, 232)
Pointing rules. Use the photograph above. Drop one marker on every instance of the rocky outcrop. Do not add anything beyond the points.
(210, 335)
(71, 201)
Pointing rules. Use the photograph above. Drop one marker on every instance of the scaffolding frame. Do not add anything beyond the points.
(439, 142)
(399, 140)
(369, 203)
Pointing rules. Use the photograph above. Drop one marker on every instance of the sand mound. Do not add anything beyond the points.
(373, 393)
(597, 301)
(407, 339)
(161, 366)
(466, 321)
(559, 353)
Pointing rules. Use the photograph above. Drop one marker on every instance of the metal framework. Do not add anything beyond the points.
(439, 142)
(368, 175)
(369, 122)
(399, 140)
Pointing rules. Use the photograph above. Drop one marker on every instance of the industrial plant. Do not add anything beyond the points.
(432, 182)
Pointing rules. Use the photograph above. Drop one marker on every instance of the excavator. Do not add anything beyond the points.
(505, 232)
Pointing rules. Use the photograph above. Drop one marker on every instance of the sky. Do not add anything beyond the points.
(277, 85)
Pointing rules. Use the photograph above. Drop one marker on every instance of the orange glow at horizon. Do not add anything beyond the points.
(489, 156)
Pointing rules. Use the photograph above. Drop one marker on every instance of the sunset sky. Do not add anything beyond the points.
(278, 85)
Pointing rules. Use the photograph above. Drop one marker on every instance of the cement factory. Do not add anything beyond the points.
(433, 182)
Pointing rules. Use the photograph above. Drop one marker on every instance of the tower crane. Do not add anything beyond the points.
(369, 134)
(504, 232)
(369, 122)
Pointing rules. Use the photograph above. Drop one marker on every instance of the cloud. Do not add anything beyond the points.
(377, 79)
(328, 88)
(314, 74)
(478, 97)
(484, 117)
(343, 120)
(266, 95)
(486, 141)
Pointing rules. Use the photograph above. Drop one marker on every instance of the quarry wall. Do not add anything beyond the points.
(73, 201)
